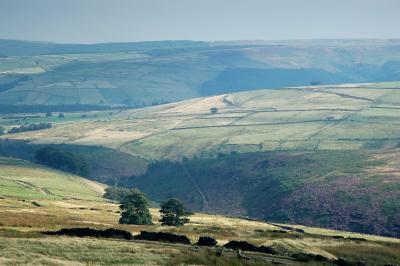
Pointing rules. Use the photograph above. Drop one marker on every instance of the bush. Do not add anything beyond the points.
(163, 237)
(206, 241)
(90, 232)
(306, 257)
(246, 246)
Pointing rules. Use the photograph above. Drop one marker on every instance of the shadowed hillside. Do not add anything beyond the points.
(331, 189)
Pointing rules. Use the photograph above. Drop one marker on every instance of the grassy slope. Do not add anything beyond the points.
(79, 204)
(22, 179)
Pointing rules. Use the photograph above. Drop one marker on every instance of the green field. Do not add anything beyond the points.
(309, 118)
(22, 179)
(78, 203)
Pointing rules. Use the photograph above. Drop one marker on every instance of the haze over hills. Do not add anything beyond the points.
(244, 133)
(148, 73)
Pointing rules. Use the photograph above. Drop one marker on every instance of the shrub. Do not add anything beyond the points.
(246, 246)
(163, 237)
(206, 241)
(306, 257)
(90, 232)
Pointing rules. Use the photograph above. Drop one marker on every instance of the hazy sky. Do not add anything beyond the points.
(89, 21)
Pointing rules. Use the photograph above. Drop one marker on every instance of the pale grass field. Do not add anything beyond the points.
(334, 117)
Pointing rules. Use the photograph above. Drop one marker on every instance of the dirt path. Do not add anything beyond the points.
(27, 184)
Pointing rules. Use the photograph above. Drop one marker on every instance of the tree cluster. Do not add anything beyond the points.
(135, 208)
(31, 127)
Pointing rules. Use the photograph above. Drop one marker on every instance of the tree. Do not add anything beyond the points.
(135, 208)
(2, 131)
(214, 110)
(48, 114)
(174, 213)
(61, 115)
(116, 193)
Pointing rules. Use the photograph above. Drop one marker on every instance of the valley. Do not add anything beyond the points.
(317, 156)
(26, 211)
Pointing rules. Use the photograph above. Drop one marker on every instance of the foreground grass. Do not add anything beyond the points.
(22, 243)
(28, 211)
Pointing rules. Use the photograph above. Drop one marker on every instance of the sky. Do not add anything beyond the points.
(93, 21)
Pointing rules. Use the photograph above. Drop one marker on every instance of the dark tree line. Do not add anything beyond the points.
(62, 160)
(13, 109)
(31, 127)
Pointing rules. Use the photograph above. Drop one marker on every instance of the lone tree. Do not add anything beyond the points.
(214, 110)
(135, 208)
(174, 213)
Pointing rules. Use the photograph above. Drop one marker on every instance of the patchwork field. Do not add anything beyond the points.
(26, 211)
(303, 118)
(143, 74)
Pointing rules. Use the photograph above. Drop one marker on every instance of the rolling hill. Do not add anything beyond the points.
(321, 155)
(346, 117)
(35, 199)
(149, 73)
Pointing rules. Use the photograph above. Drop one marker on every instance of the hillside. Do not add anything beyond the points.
(332, 147)
(148, 73)
(28, 210)
(343, 190)
(24, 180)
(301, 118)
